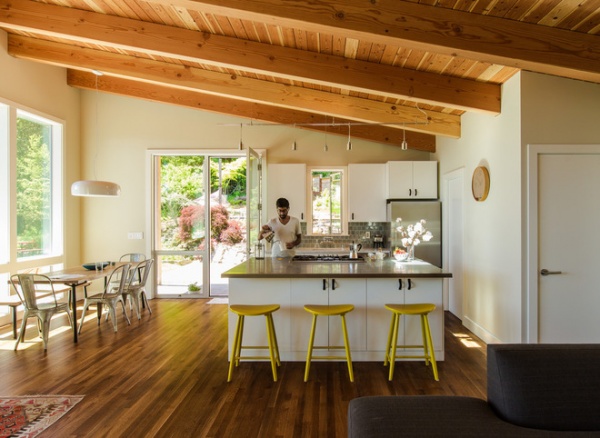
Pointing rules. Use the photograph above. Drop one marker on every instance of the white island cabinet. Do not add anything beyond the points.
(366, 285)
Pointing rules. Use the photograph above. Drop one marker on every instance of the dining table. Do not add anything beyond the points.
(79, 276)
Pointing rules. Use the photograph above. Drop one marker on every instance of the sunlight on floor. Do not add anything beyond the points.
(467, 340)
(7, 342)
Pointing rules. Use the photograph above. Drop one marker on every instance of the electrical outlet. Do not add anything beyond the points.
(367, 235)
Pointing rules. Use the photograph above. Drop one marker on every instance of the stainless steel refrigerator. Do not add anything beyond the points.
(412, 212)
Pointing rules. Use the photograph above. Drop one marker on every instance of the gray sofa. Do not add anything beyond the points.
(534, 390)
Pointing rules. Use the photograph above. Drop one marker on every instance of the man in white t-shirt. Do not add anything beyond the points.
(286, 231)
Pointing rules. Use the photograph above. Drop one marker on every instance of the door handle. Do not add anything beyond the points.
(333, 284)
(324, 284)
(545, 272)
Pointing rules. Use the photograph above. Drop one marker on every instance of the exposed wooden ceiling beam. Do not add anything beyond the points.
(253, 111)
(292, 64)
(481, 37)
(254, 90)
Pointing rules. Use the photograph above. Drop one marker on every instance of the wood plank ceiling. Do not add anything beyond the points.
(380, 68)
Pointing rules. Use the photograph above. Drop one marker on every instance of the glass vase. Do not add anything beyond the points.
(410, 251)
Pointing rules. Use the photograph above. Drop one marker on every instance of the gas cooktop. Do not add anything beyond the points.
(320, 258)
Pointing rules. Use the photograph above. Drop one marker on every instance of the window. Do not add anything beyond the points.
(327, 212)
(31, 193)
(37, 200)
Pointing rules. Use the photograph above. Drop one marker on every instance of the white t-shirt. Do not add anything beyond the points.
(284, 234)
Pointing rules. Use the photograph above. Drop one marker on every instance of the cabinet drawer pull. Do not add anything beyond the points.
(409, 284)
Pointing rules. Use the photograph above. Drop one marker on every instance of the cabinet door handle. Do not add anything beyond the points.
(399, 284)
(333, 284)
(352, 216)
(409, 192)
(302, 216)
(415, 192)
(409, 284)
(324, 284)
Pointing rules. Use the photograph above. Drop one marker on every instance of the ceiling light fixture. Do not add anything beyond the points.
(95, 188)
(404, 143)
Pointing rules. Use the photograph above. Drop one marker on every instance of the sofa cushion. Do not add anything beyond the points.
(430, 416)
(546, 386)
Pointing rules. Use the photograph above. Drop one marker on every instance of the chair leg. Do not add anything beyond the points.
(311, 342)
(113, 315)
(145, 301)
(347, 346)
(85, 306)
(21, 335)
(45, 322)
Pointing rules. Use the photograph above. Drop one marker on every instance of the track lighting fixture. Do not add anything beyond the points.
(349, 144)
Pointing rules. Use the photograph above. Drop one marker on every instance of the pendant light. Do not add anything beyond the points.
(404, 145)
(95, 188)
(349, 144)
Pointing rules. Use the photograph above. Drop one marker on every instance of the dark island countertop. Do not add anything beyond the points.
(285, 268)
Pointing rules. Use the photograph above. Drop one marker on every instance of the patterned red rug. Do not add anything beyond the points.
(30, 415)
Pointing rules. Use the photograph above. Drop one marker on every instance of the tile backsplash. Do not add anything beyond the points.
(356, 234)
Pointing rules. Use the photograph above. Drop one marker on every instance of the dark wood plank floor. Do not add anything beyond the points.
(166, 376)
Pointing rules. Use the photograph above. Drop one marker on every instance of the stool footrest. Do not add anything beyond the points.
(253, 357)
(344, 358)
(330, 347)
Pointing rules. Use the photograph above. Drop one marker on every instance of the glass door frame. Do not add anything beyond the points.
(152, 199)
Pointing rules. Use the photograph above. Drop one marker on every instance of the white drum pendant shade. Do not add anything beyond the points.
(95, 188)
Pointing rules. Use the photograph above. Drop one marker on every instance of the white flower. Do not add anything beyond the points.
(412, 235)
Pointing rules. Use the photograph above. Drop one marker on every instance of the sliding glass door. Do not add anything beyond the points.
(205, 220)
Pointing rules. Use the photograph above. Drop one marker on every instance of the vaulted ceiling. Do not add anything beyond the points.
(380, 68)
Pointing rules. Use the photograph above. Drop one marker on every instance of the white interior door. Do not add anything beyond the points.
(564, 305)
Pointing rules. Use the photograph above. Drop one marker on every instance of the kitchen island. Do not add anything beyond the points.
(368, 285)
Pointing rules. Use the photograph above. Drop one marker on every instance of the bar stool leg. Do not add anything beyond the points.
(347, 345)
(235, 348)
(272, 344)
(394, 345)
(388, 345)
(431, 350)
(311, 342)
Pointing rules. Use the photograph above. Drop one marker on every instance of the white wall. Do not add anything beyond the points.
(492, 282)
(538, 109)
(129, 127)
(43, 88)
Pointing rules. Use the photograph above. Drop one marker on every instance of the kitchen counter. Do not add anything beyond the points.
(285, 268)
(367, 285)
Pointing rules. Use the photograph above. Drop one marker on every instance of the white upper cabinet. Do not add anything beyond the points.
(286, 181)
(367, 192)
(412, 180)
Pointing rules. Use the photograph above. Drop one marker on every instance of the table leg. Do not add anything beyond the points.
(74, 310)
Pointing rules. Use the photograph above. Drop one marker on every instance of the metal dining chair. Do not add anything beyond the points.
(136, 290)
(110, 296)
(29, 287)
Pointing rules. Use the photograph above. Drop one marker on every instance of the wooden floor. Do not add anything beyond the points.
(165, 376)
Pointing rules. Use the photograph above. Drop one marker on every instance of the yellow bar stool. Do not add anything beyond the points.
(243, 310)
(423, 310)
(324, 310)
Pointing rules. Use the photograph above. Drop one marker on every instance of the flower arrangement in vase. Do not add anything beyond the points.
(412, 235)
